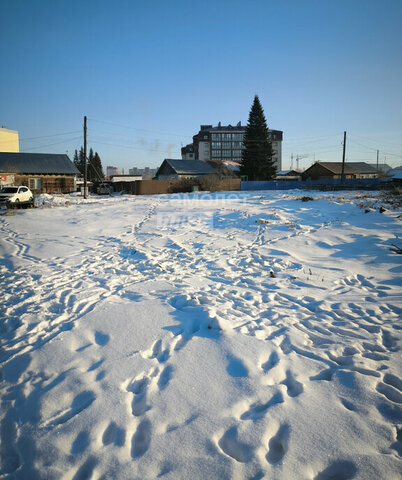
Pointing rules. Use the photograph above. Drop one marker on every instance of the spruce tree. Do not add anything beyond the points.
(79, 160)
(91, 167)
(98, 166)
(257, 162)
(76, 160)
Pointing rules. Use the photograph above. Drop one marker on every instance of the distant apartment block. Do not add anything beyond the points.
(110, 171)
(225, 143)
(145, 172)
(9, 141)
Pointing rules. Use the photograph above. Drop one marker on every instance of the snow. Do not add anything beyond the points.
(228, 335)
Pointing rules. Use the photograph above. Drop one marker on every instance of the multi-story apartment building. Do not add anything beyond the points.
(225, 143)
(145, 172)
(110, 171)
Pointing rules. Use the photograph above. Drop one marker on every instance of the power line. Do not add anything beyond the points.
(47, 136)
(140, 129)
(56, 143)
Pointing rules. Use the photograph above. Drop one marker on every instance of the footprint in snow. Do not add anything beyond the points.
(233, 447)
(294, 388)
(139, 389)
(141, 439)
(278, 445)
(257, 410)
(339, 470)
(101, 339)
(271, 362)
(114, 434)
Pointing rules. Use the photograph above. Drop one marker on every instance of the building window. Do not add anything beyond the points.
(226, 153)
(35, 183)
(237, 144)
(226, 144)
(216, 153)
(237, 153)
(216, 144)
(227, 136)
(216, 136)
(238, 136)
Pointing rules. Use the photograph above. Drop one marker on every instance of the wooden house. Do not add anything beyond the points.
(41, 172)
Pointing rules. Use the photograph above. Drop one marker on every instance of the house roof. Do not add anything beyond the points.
(382, 167)
(395, 173)
(190, 167)
(288, 173)
(37, 164)
(362, 167)
(335, 167)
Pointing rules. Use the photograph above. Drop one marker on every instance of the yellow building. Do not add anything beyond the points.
(9, 141)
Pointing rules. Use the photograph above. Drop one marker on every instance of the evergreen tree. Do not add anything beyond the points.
(79, 161)
(76, 161)
(91, 167)
(94, 165)
(257, 162)
(98, 166)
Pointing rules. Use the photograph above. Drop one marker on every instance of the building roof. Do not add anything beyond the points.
(395, 173)
(189, 167)
(37, 164)
(288, 173)
(335, 167)
(276, 134)
(382, 167)
(362, 167)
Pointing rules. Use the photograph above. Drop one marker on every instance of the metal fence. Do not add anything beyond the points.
(327, 184)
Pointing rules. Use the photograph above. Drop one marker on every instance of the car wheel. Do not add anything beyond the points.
(17, 200)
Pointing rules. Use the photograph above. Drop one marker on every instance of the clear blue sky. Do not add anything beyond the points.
(147, 74)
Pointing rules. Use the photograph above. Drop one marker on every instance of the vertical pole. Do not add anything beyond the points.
(377, 161)
(343, 158)
(291, 162)
(85, 157)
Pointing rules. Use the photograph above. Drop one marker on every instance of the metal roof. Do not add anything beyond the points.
(362, 167)
(335, 167)
(190, 167)
(37, 164)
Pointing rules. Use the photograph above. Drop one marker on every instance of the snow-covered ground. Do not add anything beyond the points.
(203, 336)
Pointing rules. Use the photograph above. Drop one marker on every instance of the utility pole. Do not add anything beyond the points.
(343, 158)
(291, 162)
(85, 157)
(377, 161)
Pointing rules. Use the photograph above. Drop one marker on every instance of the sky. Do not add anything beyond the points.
(148, 74)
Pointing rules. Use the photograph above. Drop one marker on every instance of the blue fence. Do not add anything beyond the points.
(327, 184)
